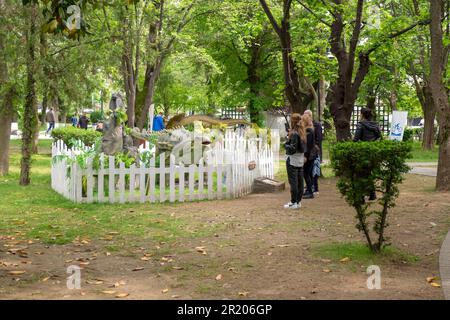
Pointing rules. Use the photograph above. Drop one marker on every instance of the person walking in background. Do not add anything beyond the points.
(50, 119)
(311, 154)
(74, 120)
(295, 149)
(83, 121)
(367, 130)
(158, 122)
(318, 139)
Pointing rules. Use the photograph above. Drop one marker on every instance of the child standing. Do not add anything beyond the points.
(295, 150)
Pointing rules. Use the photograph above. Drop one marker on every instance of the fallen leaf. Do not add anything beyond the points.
(145, 258)
(45, 279)
(138, 269)
(175, 296)
(326, 270)
(122, 295)
(177, 268)
(109, 292)
(346, 259)
(430, 279)
(165, 291)
(96, 282)
(219, 277)
(16, 272)
(436, 285)
(243, 293)
(108, 254)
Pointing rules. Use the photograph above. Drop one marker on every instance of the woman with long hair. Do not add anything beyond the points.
(295, 149)
(310, 155)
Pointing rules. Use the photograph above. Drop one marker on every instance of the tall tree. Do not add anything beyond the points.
(439, 59)
(6, 96)
(30, 106)
(298, 89)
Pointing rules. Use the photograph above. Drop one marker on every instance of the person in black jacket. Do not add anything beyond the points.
(295, 148)
(310, 156)
(318, 139)
(367, 130)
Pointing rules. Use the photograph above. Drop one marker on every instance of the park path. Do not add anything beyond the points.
(424, 168)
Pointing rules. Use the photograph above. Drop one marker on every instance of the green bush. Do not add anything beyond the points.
(70, 134)
(96, 117)
(362, 167)
(410, 133)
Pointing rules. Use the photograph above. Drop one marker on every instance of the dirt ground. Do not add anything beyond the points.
(260, 251)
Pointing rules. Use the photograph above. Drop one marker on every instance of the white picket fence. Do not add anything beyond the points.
(222, 172)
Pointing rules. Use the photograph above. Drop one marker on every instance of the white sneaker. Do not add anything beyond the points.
(288, 205)
(296, 206)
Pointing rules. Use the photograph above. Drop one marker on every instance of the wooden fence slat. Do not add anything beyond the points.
(172, 171)
(142, 185)
(201, 173)
(101, 181)
(122, 182)
(162, 178)
(111, 180)
(89, 182)
(181, 183)
(152, 179)
(131, 196)
(191, 182)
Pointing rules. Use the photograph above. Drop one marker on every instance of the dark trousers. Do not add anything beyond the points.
(295, 177)
(51, 126)
(316, 183)
(308, 168)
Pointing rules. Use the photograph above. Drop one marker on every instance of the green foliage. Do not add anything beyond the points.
(71, 134)
(362, 167)
(96, 116)
(410, 133)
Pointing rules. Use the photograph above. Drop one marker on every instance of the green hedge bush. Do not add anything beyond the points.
(70, 134)
(96, 116)
(362, 167)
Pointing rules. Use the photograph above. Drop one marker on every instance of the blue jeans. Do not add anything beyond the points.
(51, 126)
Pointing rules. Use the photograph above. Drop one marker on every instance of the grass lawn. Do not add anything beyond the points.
(37, 212)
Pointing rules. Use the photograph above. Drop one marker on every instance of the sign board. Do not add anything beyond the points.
(398, 125)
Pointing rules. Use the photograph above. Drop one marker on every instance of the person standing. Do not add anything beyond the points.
(367, 130)
(83, 121)
(50, 119)
(310, 156)
(318, 140)
(74, 120)
(295, 149)
(158, 122)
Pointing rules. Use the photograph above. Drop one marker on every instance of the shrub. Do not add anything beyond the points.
(411, 133)
(362, 167)
(96, 117)
(70, 134)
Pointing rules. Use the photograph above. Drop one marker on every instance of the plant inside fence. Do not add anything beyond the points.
(364, 167)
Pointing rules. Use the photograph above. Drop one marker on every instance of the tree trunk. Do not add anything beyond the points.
(345, 90)
(429, 115)
(254, 81)
(440, 95)
(6, 108)
(29, 114)
(6, 116)
(151, 76)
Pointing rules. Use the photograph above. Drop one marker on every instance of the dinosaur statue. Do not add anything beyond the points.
(181, 120)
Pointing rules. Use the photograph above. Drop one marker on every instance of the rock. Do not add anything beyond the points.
(267, 185)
